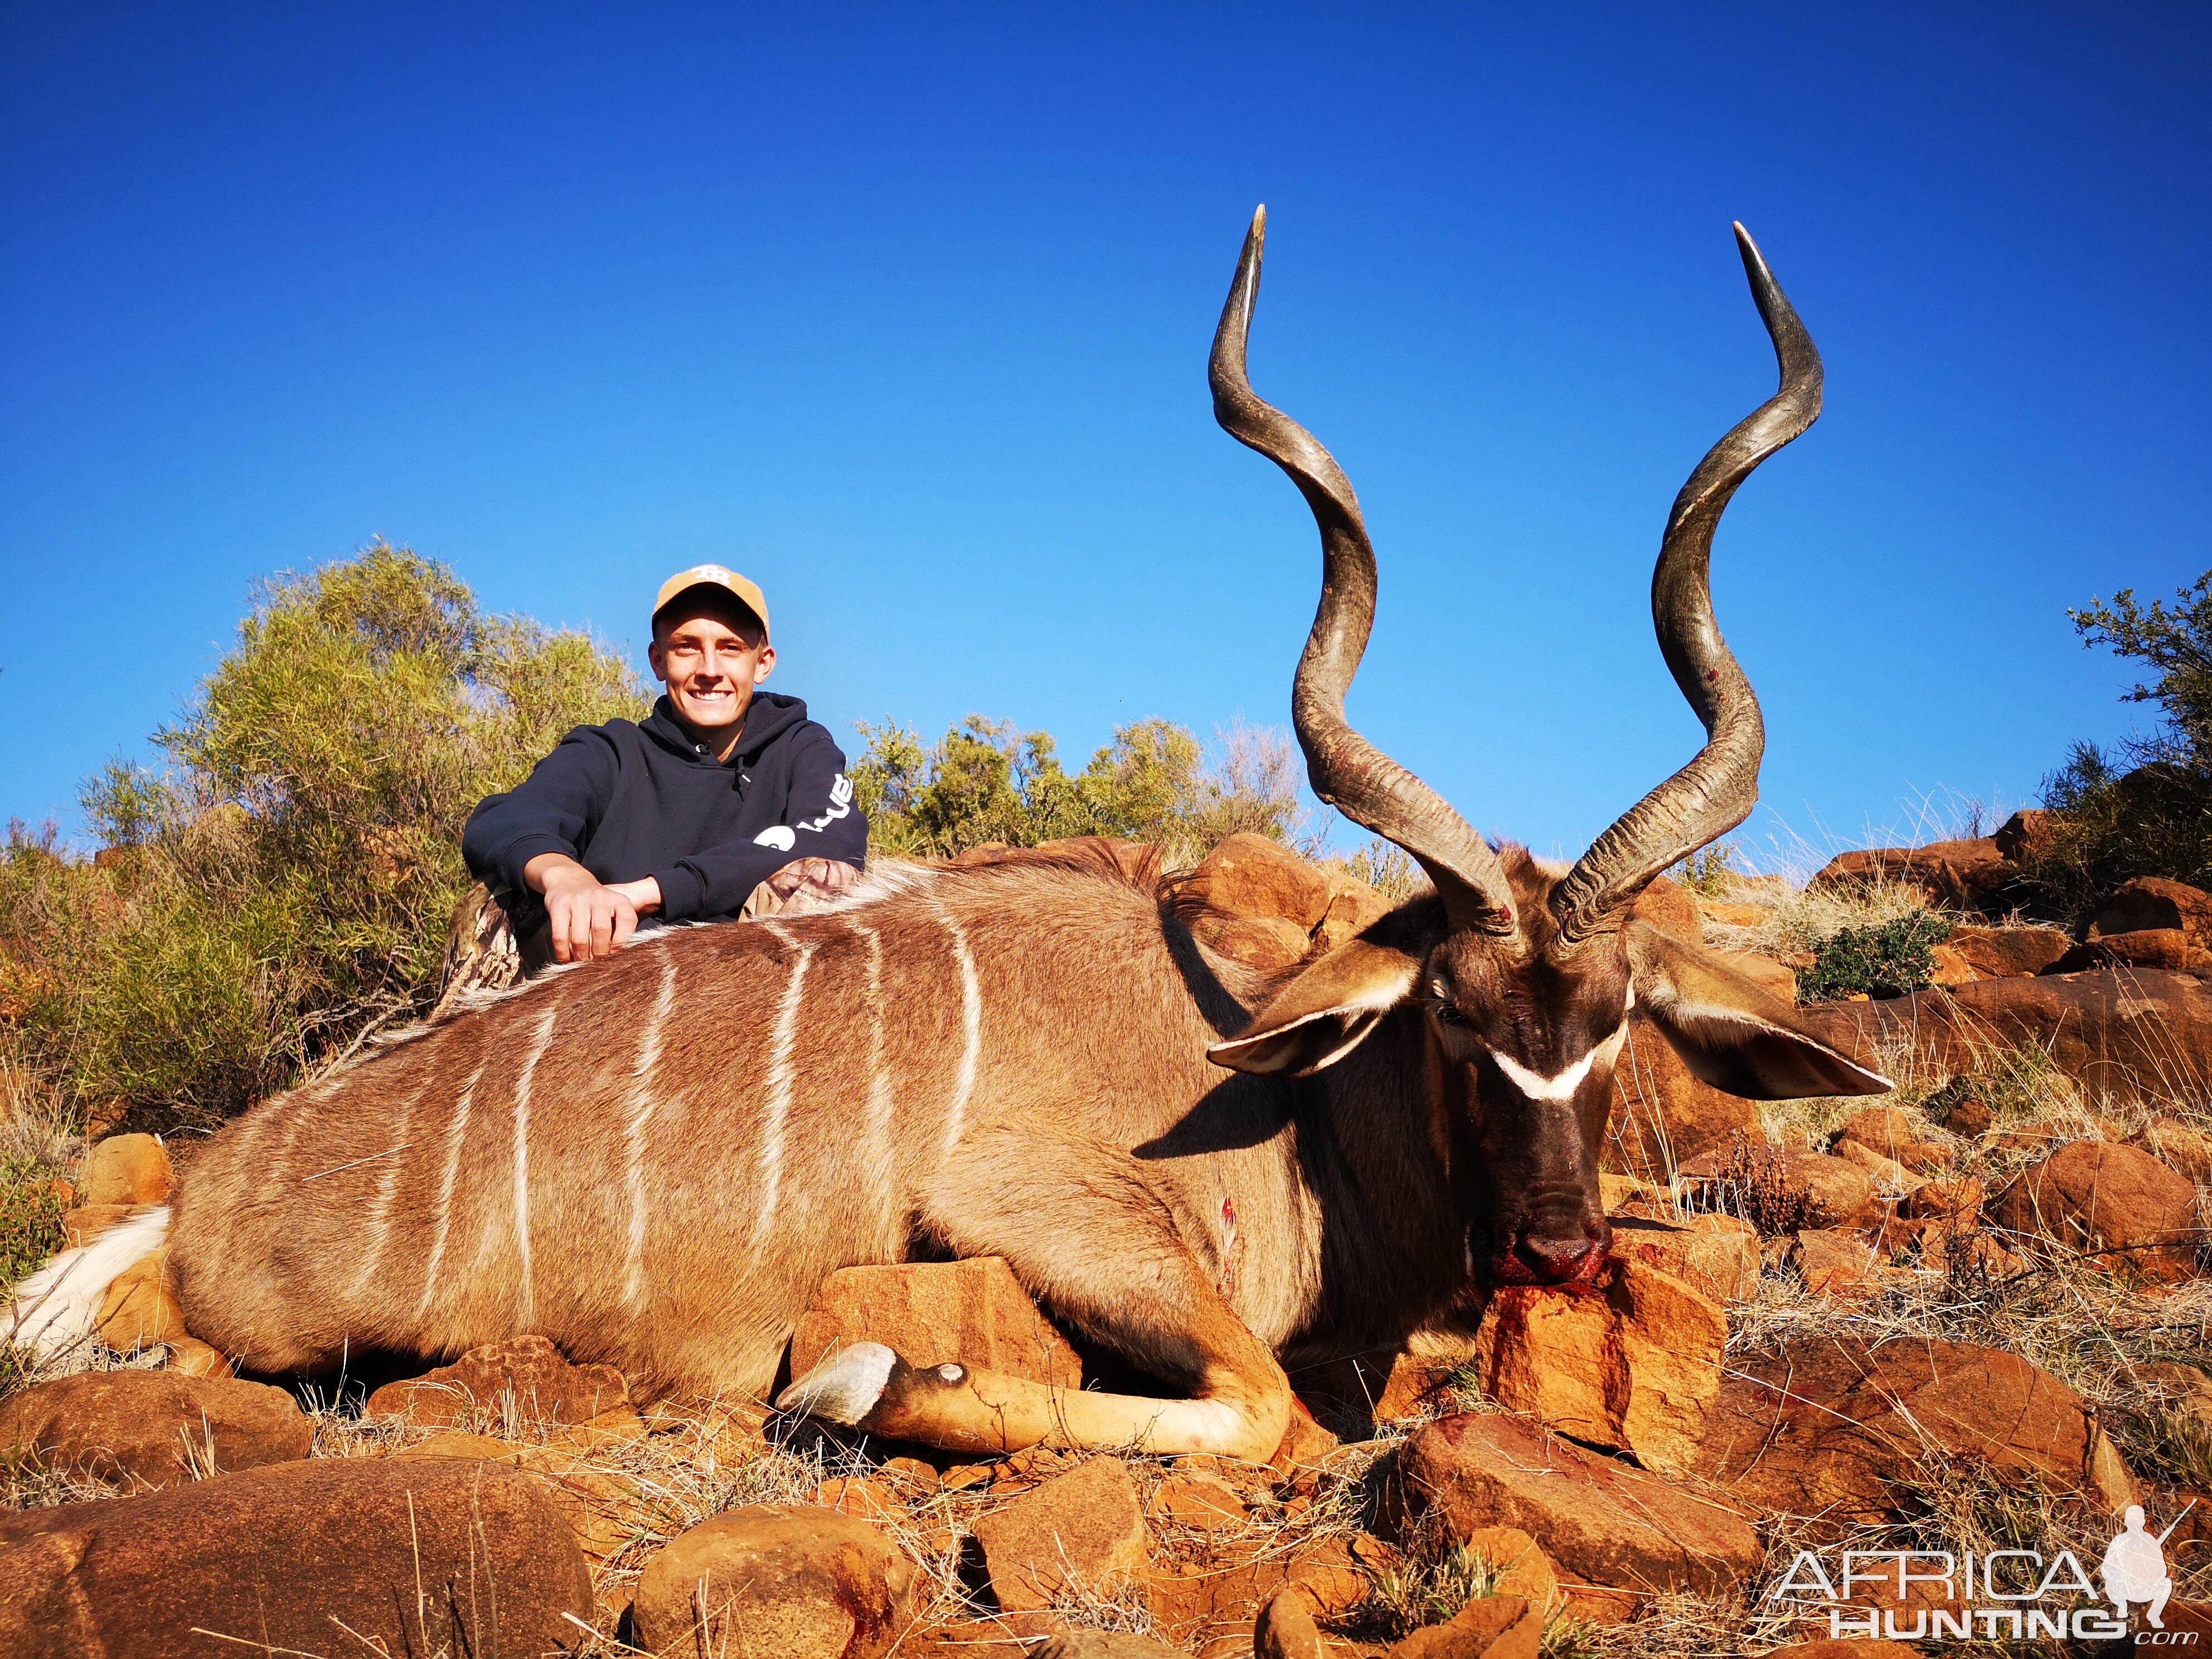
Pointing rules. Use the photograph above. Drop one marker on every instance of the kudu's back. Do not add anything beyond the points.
(654, 1160)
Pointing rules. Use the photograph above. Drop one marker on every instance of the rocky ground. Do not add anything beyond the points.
(1972, 1316)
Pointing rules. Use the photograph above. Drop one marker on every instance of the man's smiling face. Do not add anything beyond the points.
(710, 655)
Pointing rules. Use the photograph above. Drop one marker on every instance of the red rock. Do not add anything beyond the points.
(1833, 1263)
(1835, 1191)
(525, 1382)
(1828, 1428)
(2119, 1033)
(1601, 1522)
(87, 1221)
(1663, 1114)
(1959, 875)
(2180, 1148)
(1267, 942)
(2008, 953)
(1884, 1128)
(285, 1558)
(1488, 1627)
(931, 1313)
(1080, 1532)
(2167, 948)
(1673, 909)
(1205, 1502)
(2025, 834)
(1249, 875)
(794, 1580)
(1771, 976)
(1955, 1196)
(1353, 908)
(1633, 1367)
(139, 1308)
(125, 1170)
(2152, 903)
(1715, 1255)
(152, 1428)
(1285, 1628)
(2119, 1200)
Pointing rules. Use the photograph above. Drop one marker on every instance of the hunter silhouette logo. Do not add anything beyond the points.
(2002, 1595)
(2135, 1568)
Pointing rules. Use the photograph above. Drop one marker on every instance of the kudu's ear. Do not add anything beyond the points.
(1731, 1033)
(1325, 1013)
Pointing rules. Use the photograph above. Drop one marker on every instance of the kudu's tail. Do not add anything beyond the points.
(57, 1307)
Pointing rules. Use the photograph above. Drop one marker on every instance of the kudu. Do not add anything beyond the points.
(1206, 1169)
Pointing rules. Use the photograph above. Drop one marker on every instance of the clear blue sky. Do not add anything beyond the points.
(905, 313)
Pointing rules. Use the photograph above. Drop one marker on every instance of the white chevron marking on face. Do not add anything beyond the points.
(1560, 1085)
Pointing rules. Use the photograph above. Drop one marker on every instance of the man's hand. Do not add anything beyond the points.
(806, 884)
(589, 919)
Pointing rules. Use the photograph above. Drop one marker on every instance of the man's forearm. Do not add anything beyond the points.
(552, 867)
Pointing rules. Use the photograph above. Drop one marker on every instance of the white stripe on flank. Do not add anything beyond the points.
(379, 1209)
(640, 1108)
(779, 1086)
(522, 1154)
(971, 1024)
(879, 1083)
(454, 1138)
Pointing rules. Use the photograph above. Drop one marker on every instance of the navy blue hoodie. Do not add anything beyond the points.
(628, 801)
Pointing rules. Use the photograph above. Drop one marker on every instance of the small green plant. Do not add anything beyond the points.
(1892, 959)
(1428, 1590)
(30, 1219)
(1389, 869)
(1709, 873)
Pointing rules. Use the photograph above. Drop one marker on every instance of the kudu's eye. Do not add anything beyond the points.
(1448, 1013)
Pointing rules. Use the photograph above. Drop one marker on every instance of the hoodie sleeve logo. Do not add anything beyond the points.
(778, 835)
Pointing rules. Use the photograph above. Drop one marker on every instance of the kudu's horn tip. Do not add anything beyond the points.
(1259, 220)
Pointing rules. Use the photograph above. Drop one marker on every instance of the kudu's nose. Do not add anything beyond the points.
(1560, 1260)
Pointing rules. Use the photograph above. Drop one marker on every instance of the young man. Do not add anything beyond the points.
(724, 802)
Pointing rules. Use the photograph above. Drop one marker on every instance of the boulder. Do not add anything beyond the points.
(525, 1384)
(125, 1170)
(2121, 1033)
(87, 1222)
(2006, 952)
(189, 1357)
(2152, 903)
(1673, 909)
(1197, 1500)
(2119, 1201)
(603, 1506)
(1633, 1366)
(1833, 1262)
(1080, 1532)
(1889, 1178)
(1949, 1195)
(2179, 1147)
(1601, 1521)
(1250, 875)
(1353, 908)
(2024, 836)
(1103, 1644)
(1715, 1255)
(797, 1581)
(932, 1313)
(315, 1556)
(2167, 948)
(141, 1428)
(1884, 1129)
(1662, 1113)
(1827, 1429)
(1488, 1627)
(1523, 1569)
(1957, 875)
(1267, 942)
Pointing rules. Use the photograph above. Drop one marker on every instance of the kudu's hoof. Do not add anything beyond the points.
(844, 1388)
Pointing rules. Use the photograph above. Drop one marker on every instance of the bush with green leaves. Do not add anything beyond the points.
(985, 782)
(2144, 807)
(1891, 958)
(283, 887)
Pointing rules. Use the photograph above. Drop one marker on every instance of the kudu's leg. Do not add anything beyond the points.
(1085, 1230)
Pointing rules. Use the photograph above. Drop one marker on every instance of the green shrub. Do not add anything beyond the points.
(284, 889)
(1710, 873)
(1891, 958)
(2145, 807)
(985, 782)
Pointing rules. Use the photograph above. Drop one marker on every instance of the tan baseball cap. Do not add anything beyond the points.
(714, 575)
